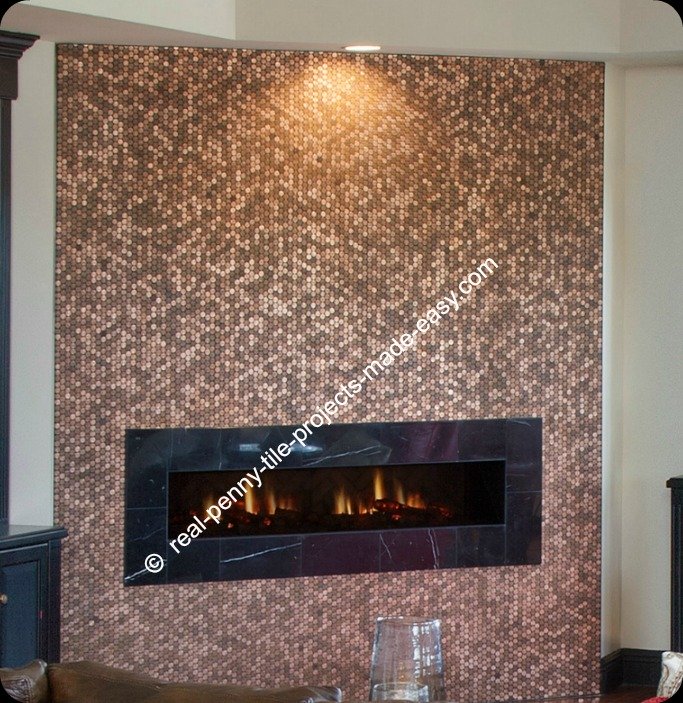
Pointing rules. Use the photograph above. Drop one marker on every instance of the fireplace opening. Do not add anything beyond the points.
(342, 499)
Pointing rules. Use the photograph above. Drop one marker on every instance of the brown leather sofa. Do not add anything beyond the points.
(85, 682)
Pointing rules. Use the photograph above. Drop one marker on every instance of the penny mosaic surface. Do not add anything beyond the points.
(240, 231)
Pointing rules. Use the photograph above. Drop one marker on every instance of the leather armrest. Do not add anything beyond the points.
(27, 684)
(87, 682)
(227, 693)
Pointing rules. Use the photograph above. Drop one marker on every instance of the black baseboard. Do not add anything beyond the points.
(611, 671)
(636, 667)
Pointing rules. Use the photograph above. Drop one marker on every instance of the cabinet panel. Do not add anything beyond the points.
(23, 593)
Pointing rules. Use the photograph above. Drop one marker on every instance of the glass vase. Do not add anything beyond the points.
(406, 656)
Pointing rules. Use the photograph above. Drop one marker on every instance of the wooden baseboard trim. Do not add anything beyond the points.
(638, 667)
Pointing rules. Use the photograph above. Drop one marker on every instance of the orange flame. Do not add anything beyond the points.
(399, 493)
(267, 502)
(286, 503)
(250, 503)
(378, 485)
(208, 502)
(344, 505)
(271, 504)
(415, 501)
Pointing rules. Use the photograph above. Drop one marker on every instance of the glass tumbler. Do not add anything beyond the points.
(399, 691)
(408, 651)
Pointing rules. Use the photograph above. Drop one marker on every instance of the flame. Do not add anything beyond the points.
(399, 493)
(286, 503)
(273, 502)
(364, 507)
(208, 502)
(250, 503)
(271, 505)
(343, 505)
(266, 502)
(415, 501)
(378, 485)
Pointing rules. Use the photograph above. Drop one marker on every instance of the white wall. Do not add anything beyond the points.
(652, 346)
(612, 358)
(651, 26)
(642, 349)
(207, 17)
(479, 27)
(32, 326)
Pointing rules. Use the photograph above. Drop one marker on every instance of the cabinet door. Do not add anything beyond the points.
(23, 597)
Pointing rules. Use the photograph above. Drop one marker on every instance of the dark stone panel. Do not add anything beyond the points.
(481, 439)
(259, 557)
(348, 445)
(148, 459)
(523, 454)
(199, 561)
(524, 528)
(420, 442)
(447, 546)
(360, 444)
(481, 546)
(145, 533)
(195, 449)
(242, 447)
(325, 554)
(405, 550)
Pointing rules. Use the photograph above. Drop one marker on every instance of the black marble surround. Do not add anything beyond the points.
(151, 454)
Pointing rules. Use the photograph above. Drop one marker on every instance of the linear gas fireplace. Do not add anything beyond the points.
(343, 499)
(355, 498)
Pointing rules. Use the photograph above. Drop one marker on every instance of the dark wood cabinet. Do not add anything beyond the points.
(29, 594)
(23, 598)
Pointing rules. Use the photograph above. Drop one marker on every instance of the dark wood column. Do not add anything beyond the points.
(29, 556)
(676, 486)
(12, 46)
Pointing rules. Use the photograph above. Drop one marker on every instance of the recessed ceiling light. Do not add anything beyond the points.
(362, 47)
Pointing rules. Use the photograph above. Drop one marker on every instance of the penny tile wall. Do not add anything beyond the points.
(238, 233)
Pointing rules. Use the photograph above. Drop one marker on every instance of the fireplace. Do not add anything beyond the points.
(343, 499)
(357, 498)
